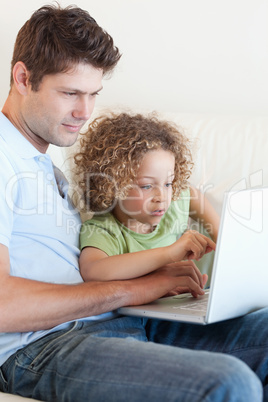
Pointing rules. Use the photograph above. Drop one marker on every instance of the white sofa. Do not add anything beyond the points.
(230, 153)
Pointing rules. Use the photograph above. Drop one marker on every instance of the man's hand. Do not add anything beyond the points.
(180, 289)
(188, 272)
(172, 279)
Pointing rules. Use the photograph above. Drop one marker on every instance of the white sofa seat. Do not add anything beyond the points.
(13, 398)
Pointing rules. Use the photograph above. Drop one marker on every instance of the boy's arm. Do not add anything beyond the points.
(202, 211)
(96, 265)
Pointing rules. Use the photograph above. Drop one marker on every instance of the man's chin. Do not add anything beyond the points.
(68, 141)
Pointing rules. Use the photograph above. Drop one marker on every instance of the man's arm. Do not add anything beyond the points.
(27, 305)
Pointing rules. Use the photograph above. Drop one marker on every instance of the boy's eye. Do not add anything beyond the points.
(146, 187)
(169, 184)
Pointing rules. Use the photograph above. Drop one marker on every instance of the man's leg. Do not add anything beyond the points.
(112, 361)
(245, 338)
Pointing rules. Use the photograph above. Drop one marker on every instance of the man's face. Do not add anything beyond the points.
(63, 103)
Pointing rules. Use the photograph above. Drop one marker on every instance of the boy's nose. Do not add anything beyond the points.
(158, 195)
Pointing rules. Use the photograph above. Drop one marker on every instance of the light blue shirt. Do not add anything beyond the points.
(38, 223)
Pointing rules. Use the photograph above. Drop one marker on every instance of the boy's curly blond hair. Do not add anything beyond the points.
(112, 150)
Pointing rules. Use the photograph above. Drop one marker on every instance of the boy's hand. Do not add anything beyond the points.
(192, 245)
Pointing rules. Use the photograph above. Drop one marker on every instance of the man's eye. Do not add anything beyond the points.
(70, 93)
(169, 185)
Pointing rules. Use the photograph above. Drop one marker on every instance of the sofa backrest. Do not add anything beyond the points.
(230, 152)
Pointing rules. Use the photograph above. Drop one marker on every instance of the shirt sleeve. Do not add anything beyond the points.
(95, 235)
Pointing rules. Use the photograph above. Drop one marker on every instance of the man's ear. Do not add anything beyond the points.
(21, 78)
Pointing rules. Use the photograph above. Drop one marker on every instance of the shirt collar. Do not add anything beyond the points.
(16, 140)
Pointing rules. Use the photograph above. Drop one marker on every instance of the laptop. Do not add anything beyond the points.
(240, 267)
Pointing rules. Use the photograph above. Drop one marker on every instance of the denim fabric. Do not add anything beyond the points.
(130, 359)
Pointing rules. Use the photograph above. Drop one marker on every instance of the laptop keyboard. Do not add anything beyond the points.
(198, 305)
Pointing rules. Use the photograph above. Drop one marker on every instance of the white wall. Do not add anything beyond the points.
(178, 55)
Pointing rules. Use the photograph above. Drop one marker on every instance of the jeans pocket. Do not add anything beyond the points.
(3, 382)
(42, 351)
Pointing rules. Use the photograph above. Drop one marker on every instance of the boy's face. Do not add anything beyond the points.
(63, 103)
(150, 197)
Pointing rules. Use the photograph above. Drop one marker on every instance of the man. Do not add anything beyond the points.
(60, 338)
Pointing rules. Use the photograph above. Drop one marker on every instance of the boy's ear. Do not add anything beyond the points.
(21, 77)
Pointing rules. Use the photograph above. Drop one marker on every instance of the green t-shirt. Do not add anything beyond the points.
(106, 233)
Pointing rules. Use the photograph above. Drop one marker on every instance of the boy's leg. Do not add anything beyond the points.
(113, 361)
(245, 338)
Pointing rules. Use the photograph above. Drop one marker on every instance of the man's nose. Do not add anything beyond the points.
(84, 108)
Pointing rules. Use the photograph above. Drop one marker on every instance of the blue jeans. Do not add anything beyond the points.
(131, 359)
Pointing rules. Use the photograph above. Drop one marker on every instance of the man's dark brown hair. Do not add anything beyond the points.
(56, 39)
